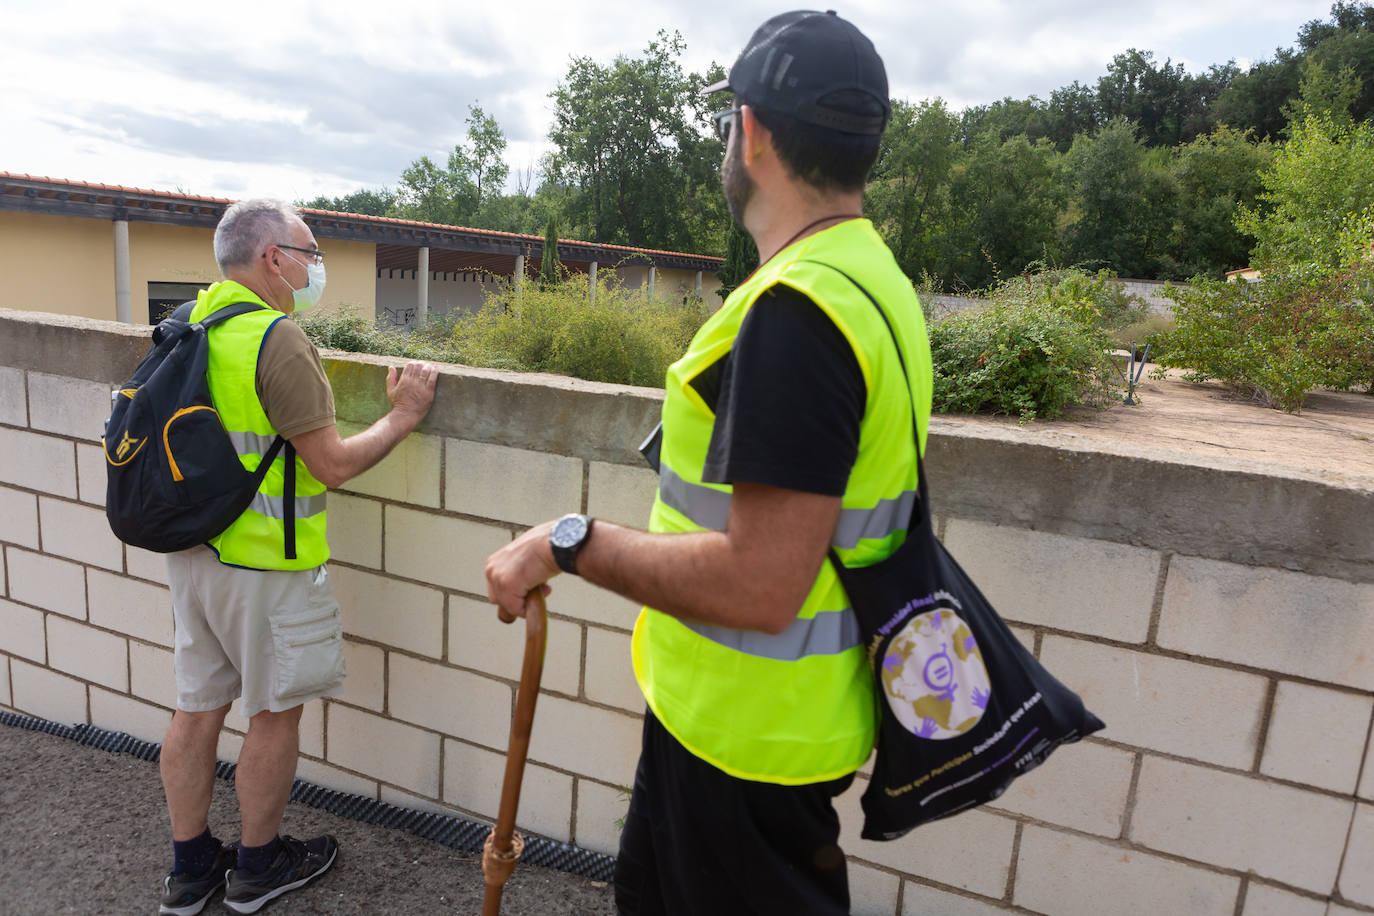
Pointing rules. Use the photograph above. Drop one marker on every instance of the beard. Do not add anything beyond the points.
(739, 187)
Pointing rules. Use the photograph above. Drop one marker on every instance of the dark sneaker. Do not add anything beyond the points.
(296, 865)
(184, 895)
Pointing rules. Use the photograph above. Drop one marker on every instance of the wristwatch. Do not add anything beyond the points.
(567, 537)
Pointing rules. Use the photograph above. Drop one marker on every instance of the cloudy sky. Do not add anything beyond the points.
(293, 99)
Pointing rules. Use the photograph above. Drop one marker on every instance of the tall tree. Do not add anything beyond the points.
(1216, 175)
(550, 270)
(377, 202)
(741, 259)
(471, 180)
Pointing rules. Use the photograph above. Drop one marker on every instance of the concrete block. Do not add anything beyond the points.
(38, 462)
(312, 729)
(79, 533)
(13, 399)
(509, 484)
(145, 564)
(921, 900)
(586, 740)
(872, 892)
(454, 702)
(46, 694)
(88, 653)
(472, 781)
(152, 674)
(322, 774)
(445, 551)
(355, 530)
(1335, 909)
(478, 640)
(18, 518)
(418, 803)
(68, 406)
(40, 580)
(1367, 780)
(1263, 900)
(128, 606)
(610, 673)
(394, 613)
(1197, 711)
(389, 751)
(601, 811)
(1317, 736)
(1357, 874)
(1068, 583)
(575, 597)
(228, 747)
(410, 474)
(1025, 637)
(971, 852)
(1066, 874)
(366, 682)
(621, 493)
(1281, 621)
(1288, 835)
(1084, 786)
(90, 474)
(5, 698)
(118, 713)
(22, 632)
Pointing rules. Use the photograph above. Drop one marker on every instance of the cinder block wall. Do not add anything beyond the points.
(1219, 618)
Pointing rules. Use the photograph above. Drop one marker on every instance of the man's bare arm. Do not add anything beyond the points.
(333, 461)
(752, 576)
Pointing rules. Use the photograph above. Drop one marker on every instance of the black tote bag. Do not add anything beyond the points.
(964, 708)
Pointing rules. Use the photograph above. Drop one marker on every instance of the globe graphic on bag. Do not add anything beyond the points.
(934, 677)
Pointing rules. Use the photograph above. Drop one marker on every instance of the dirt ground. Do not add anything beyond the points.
(1331, 439)
(84, 831)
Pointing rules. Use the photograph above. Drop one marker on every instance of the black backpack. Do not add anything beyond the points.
(174, 479)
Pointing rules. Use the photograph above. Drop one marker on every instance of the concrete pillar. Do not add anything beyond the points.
(591, 283)
(697, 288)
(422, 298)
(519, 278)
(124, 298)
(650, 280)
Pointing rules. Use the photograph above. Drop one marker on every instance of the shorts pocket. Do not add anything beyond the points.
(309, 652)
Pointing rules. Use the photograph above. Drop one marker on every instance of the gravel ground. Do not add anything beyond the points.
(84, 831)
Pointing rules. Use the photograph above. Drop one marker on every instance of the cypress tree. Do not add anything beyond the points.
(741, 258)
(550, 270)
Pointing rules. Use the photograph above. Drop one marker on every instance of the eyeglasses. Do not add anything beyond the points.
(316, 255)
(723, 121)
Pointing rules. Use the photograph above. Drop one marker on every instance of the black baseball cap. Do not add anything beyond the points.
(795, 60)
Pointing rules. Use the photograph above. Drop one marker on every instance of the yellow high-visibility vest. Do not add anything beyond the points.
(797, 707)
(257, 538)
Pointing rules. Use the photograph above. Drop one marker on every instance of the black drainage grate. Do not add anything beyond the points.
(453, 832)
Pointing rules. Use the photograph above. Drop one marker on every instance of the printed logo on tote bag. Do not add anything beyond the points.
(933, 673)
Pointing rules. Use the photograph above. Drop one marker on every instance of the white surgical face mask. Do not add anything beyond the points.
(310, 293)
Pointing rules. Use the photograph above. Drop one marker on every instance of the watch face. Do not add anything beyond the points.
(569, 531)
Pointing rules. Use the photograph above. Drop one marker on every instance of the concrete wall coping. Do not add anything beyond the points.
(1241, 510)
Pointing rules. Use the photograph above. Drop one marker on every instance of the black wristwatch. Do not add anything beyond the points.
(567, 537)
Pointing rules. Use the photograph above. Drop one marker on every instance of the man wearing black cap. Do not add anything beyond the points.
(787, 432)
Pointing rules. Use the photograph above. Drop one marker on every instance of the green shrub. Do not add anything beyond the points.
(624, 336)
(1037, 348)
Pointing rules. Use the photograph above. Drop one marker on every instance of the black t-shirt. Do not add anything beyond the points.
(789, 398)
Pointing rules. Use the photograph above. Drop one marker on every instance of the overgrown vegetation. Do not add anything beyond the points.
(1040, 346)
(624, 336)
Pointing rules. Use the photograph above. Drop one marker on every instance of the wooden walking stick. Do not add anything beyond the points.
(503, 846)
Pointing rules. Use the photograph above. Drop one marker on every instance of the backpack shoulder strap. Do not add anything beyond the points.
(230, 311)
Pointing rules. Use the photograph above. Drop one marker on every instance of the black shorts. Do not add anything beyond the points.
(700, 841)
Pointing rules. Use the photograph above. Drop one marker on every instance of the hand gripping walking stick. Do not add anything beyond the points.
(504, 845)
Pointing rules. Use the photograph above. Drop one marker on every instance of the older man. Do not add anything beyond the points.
(255, 612)
(787, 429)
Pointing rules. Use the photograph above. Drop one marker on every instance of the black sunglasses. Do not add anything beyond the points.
(723, 120)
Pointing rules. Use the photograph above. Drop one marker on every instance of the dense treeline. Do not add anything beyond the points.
(1142, 173)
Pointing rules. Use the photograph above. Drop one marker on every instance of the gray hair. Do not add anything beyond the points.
(249, 225)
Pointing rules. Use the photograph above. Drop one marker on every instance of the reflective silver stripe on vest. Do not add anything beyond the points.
(250, 443)
(275, 506)
(710, 509)
(828, 633)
